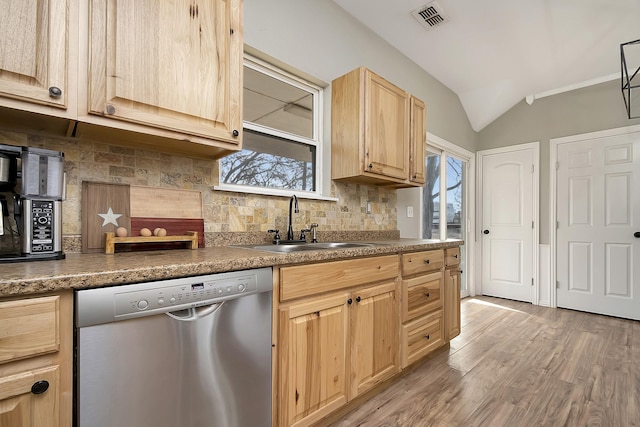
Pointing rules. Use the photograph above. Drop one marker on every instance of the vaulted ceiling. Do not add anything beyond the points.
(494, 53)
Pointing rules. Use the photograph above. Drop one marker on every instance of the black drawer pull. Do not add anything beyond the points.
(427, 294)
(40, 387)
(427, 336)
(426, 261)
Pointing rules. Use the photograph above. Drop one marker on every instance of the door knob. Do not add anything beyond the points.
(486, 231)
(636, 234)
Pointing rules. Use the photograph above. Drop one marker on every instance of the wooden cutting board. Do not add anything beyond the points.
(177, 211)
(152, 202)
(97, 199)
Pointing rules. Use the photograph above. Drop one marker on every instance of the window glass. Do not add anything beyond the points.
(281, 137)
(431, 193)
(270, 162)
(455, 182)
(277, 104)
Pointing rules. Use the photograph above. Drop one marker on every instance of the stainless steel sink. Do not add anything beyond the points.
(309, 246)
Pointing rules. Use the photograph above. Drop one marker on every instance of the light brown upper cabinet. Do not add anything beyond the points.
(418, 142)
(371, 127)
(35, 39)
(169, 69)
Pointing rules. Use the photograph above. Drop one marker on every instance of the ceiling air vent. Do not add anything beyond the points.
(430, 15)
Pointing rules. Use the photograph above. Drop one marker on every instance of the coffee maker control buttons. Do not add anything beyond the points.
(42, 226)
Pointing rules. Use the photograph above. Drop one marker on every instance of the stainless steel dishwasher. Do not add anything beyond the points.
(176, 353)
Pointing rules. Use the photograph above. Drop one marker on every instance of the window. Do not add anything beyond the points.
(282, 134)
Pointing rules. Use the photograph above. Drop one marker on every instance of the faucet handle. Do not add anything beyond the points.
(302, 235)
(276, 238)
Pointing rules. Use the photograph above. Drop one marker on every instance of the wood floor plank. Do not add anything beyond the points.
(514, 365)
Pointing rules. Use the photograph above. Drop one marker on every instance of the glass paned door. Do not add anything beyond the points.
(431, 197)
(456, 191)
(444, 202)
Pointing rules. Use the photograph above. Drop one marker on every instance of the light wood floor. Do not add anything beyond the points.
(515, 364)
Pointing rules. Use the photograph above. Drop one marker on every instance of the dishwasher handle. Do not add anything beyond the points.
(195, 313)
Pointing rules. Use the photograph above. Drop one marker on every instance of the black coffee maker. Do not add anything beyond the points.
(31, 220)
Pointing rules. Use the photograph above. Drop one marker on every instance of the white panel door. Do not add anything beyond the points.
(598, 212)
(507, 225)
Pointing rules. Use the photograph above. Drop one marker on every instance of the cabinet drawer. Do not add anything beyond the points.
(452, 256)
(29, 327)
(304, 280)
(422, 262)
(421, 294)
(421, 336)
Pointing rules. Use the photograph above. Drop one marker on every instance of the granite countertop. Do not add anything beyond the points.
(81, 271)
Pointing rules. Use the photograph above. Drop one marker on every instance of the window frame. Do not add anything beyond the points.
(316, 141)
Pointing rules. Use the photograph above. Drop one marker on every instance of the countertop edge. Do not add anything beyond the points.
(83, 271)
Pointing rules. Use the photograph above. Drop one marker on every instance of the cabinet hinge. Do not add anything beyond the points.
(532, 281)
(532, 225)
(557, 224)
(532, 168)
(557, 165)
(557, 284)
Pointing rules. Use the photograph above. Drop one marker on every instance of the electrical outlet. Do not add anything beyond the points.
(409, 211)
(368, 207)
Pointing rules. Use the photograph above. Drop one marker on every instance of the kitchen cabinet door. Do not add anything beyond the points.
(452, 303)
(386, 128)
(313, 352)
(30, 399)
(418, 142)
(34, 55)
(174, 66)
(374, 336)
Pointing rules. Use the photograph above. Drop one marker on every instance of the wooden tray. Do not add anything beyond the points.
(110, 240)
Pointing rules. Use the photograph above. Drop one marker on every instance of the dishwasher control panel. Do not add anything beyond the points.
(123, 302)
(192, 294)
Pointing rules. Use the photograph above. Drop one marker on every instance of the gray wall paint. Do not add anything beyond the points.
(319, 38)
(590, 109)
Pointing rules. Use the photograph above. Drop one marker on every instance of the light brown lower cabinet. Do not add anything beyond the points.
(333, 348)
(36, 361)
(338, 334)
(452, 303)
(374, 336)
(346, 326)
(313, 359)
(421, 336)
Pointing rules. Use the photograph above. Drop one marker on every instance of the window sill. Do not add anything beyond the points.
(272, 192)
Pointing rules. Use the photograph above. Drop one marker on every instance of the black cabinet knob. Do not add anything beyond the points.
(235, 132)
(111, 109)
(427, 336)
(486, 231)
(358, 299)
(55, 92)
(426, 261)
(40, 387)
(349, 301)
(427, 295)
(456, 256)
(636, 234)
(370, 166)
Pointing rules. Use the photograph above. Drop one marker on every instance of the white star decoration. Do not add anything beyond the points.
(110, 217)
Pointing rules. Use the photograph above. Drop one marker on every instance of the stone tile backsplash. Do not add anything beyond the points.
(224, 212)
